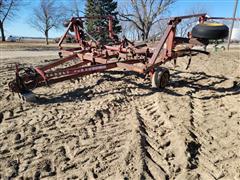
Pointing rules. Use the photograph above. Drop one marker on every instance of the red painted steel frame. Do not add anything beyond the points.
(94, 59)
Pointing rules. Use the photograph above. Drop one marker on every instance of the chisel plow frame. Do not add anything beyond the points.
(93, 56)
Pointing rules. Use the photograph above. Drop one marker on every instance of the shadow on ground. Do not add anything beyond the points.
(179, 79)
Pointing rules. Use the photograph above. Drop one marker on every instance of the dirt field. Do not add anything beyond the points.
(115, 126)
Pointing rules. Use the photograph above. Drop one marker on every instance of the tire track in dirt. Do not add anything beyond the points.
(148, 167)
(184, 142)
(213, 126)
(199, 114)
(158, 145)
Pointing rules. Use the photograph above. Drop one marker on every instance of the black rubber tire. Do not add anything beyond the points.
(160, 78)
(210, 31)
(32, 79)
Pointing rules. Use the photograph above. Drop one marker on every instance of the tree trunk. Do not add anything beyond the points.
(147, 34)
(144, 35)
(46, 37)
(2, 31)
(138, 35)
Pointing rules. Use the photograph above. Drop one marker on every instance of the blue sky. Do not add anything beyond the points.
(20, 27)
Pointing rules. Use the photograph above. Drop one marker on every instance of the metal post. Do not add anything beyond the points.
(234, 16)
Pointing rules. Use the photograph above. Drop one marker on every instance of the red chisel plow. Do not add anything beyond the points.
(92, 56)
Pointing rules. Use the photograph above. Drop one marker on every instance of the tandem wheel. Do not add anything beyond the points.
(160, 78)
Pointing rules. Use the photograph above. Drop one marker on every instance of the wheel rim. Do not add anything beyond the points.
(160, 78)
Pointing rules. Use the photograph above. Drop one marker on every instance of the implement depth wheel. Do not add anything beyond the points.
(160, 78)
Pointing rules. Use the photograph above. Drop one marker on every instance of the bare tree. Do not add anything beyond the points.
(129, 31)
(8, 9)
(46, 16)
(145, 14)
(74, 9)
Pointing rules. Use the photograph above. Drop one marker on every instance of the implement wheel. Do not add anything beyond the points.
(210, 31)
(160, 78)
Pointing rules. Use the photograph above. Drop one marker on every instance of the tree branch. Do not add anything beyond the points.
(8, 10)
